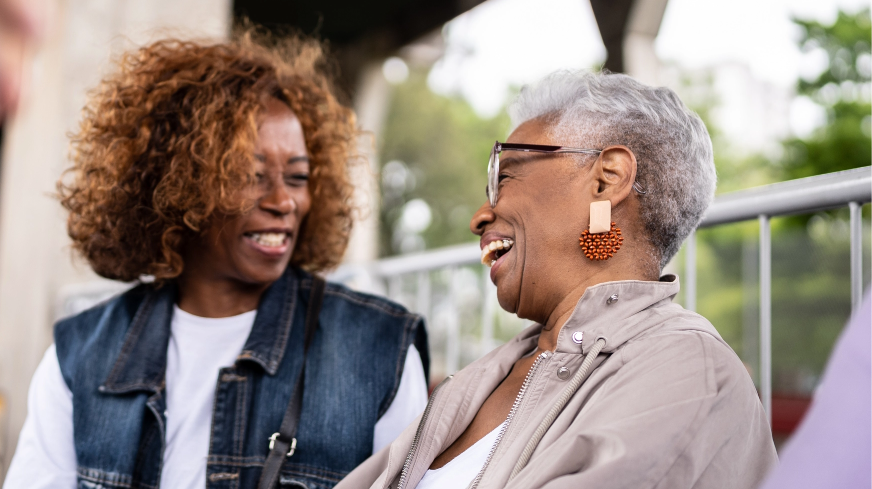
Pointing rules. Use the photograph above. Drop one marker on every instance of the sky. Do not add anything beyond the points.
(505, 43)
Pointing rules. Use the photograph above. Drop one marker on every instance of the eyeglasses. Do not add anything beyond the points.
(493, 164)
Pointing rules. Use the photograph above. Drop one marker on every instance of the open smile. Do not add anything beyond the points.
(495, 250)
(272, 244)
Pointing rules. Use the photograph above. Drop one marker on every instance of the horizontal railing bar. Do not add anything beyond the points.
(466, 254)
(423, 261)
(801, 196)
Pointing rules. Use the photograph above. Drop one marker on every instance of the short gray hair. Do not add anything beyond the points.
(672, 146)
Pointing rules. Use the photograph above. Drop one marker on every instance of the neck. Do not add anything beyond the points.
(217, 298)
(622, 269)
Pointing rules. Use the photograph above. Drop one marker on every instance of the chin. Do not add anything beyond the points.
(508, 301)
(264, 275)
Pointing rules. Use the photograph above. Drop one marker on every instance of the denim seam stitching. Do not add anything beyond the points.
(300, 469)
(392, 310)
(133, 335)
(101, 477)
(239, 429)
(212, 419)
(287, 318)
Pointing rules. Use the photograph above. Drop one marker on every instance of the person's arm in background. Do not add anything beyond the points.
(45, 457)
(408, 404)
(22, 23)
(833, 445)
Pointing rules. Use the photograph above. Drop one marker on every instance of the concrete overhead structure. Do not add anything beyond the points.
(361, 35)
(628, 29)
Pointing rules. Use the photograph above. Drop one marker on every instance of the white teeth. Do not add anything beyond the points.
(271, 240)
(488, 253)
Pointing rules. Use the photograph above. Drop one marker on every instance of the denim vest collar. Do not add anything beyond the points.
(141, 365)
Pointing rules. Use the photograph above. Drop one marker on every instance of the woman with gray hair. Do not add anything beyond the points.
(615, 386)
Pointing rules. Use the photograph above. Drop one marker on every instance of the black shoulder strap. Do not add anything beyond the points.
(283, 443)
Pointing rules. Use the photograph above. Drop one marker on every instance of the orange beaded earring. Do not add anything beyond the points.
(603, 238)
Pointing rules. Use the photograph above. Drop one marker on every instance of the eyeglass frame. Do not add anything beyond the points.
(493, 164)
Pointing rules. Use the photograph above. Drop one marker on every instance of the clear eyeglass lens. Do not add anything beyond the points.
(493, 170)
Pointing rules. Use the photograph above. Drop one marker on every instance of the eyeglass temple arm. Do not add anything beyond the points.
(542, 148)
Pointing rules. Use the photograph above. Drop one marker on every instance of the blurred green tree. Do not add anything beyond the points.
(843, 88)
(435, 149)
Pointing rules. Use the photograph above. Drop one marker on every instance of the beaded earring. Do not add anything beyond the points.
(603, 238)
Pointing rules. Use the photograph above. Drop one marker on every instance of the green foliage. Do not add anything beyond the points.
(846, 42)
(735, 170)
(843, 88)
(840, 145)
(445, 146)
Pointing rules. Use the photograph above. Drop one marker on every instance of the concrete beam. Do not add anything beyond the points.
(628, 29)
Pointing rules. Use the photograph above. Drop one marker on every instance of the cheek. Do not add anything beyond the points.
(218, 243)
(304, 203)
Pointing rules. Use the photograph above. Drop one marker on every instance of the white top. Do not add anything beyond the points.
(461, 470)
(198, 348)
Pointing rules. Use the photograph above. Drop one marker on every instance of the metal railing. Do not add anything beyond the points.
(850, 188)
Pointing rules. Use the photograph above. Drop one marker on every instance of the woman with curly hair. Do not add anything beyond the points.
(220, 171)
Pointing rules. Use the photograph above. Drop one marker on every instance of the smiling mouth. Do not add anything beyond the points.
(268, 240)
(495, 250)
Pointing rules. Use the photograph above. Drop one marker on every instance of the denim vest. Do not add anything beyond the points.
(113, 358)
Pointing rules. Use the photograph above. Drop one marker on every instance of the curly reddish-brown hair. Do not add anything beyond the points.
(166, 143)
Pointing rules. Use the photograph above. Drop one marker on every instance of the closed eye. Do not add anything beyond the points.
(297, 179)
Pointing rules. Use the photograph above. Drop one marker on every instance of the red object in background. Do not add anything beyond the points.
(787, 412)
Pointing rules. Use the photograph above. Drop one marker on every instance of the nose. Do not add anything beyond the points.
(482, 217)
(278, 200)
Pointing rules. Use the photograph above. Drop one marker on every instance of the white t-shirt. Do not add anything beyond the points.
(462, 469)
(198, 348)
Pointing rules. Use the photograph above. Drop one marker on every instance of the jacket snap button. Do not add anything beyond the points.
(563, 373)
(577, 337)
(611, 300)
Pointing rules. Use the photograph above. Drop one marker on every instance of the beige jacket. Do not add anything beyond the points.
(666, 404)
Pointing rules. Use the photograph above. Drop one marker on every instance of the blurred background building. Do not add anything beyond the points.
(783, 85)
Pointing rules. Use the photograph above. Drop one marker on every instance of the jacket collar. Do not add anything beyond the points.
(268, 340)
(143, 358)
(141, 365)
(615, 311)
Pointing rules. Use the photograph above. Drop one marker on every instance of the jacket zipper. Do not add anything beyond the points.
(512, 412)
(407, 465)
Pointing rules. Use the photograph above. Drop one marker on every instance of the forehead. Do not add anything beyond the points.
(279, 129)
(534, 131)
(275, 113)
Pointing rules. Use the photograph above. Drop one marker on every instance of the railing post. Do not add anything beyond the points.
(856, 254)
(690, 272)
(422, 294)
(487, 312)
(452, 337)
(766, 315)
